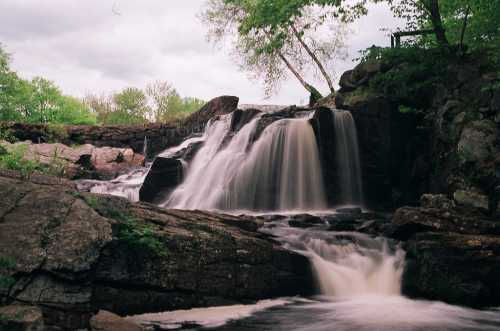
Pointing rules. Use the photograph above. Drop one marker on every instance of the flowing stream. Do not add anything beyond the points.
(359, 277)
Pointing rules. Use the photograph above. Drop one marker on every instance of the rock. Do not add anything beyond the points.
(439, 201)
(351, 211)
(79, 253)
(85, 161)
(408, 221)
(106, 321)
(164, 175)
(159, 136)
(242, 117)
(21, 318)
(472, 199)
(456, 268)
(477, 142)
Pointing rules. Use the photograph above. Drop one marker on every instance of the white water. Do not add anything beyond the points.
(347, 155)
(280, 171)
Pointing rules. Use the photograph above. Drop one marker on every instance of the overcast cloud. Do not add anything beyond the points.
(96, 46)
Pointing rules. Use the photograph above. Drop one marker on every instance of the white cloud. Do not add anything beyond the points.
(102, 45)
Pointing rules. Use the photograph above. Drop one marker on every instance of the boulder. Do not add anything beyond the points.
(106, 321)
(164, 175)
(439, 201)
(456, 268)
(477, 142)
(79, 253)
(21, 318)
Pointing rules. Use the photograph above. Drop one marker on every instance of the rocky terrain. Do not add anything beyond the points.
(73, 254)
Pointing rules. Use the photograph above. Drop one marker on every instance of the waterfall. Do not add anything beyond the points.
(346, 264)
(145, 147)
(280, 171)
(348, 164)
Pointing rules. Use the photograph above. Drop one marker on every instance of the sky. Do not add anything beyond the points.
(102, 46)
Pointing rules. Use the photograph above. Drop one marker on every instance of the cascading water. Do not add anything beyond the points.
(280, 171)
(347, 155)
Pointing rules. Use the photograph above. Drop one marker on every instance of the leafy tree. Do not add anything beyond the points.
(269, 47)
(131, 107)
(37, 101)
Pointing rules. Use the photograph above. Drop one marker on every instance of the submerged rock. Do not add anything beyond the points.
(78, 253)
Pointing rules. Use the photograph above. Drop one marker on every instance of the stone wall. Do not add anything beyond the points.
(159, 136)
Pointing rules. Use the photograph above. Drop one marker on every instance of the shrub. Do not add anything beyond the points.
(6, 263)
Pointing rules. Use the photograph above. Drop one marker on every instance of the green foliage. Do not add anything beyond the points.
(14, 160)
(413, 75)
(55, 132)
(38, 100)
(6, 263)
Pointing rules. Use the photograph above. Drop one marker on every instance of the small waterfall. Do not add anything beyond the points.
(346, 264)
(347, 156)
(280, 171)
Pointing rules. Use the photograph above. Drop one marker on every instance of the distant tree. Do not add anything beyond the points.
(159, 93)
(131, 107)
(101, 105)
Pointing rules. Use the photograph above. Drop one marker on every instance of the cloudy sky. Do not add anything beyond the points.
(95, 46)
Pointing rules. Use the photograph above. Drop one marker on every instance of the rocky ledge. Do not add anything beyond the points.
(72, 254)
(453, 252)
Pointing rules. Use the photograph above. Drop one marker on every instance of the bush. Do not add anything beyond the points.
(14, 160)
(5, 264)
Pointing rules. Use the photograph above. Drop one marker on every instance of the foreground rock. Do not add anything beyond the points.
(85, 161)
(106, 321)
(78, 253)
(21, 318)
(453, 254)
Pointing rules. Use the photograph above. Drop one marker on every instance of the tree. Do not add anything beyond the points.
(160, 92)
(270, 51)
(131, 107)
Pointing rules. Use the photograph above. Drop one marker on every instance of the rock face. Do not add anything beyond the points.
(453, 254)
(78, 253)
(164, 175)
(85, 161)
(159, 136)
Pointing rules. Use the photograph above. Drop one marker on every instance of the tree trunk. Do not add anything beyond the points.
(464, 27)
(295, 73)
(432, 6)
(315, 59)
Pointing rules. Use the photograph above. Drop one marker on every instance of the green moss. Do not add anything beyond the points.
(6, 263)
(135, 233)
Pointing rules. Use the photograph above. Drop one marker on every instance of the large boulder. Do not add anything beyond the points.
(78, 253)
(455, 268)
(164, 175)
(478, 141)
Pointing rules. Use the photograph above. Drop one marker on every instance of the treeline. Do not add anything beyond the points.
(40, 101)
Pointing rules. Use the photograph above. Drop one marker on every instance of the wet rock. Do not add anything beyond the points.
(351, 211)
(164, 175)
(79, 253)
(408, 221)
(106, 321)
(456, 268)
(21, 318)
(242, 117)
